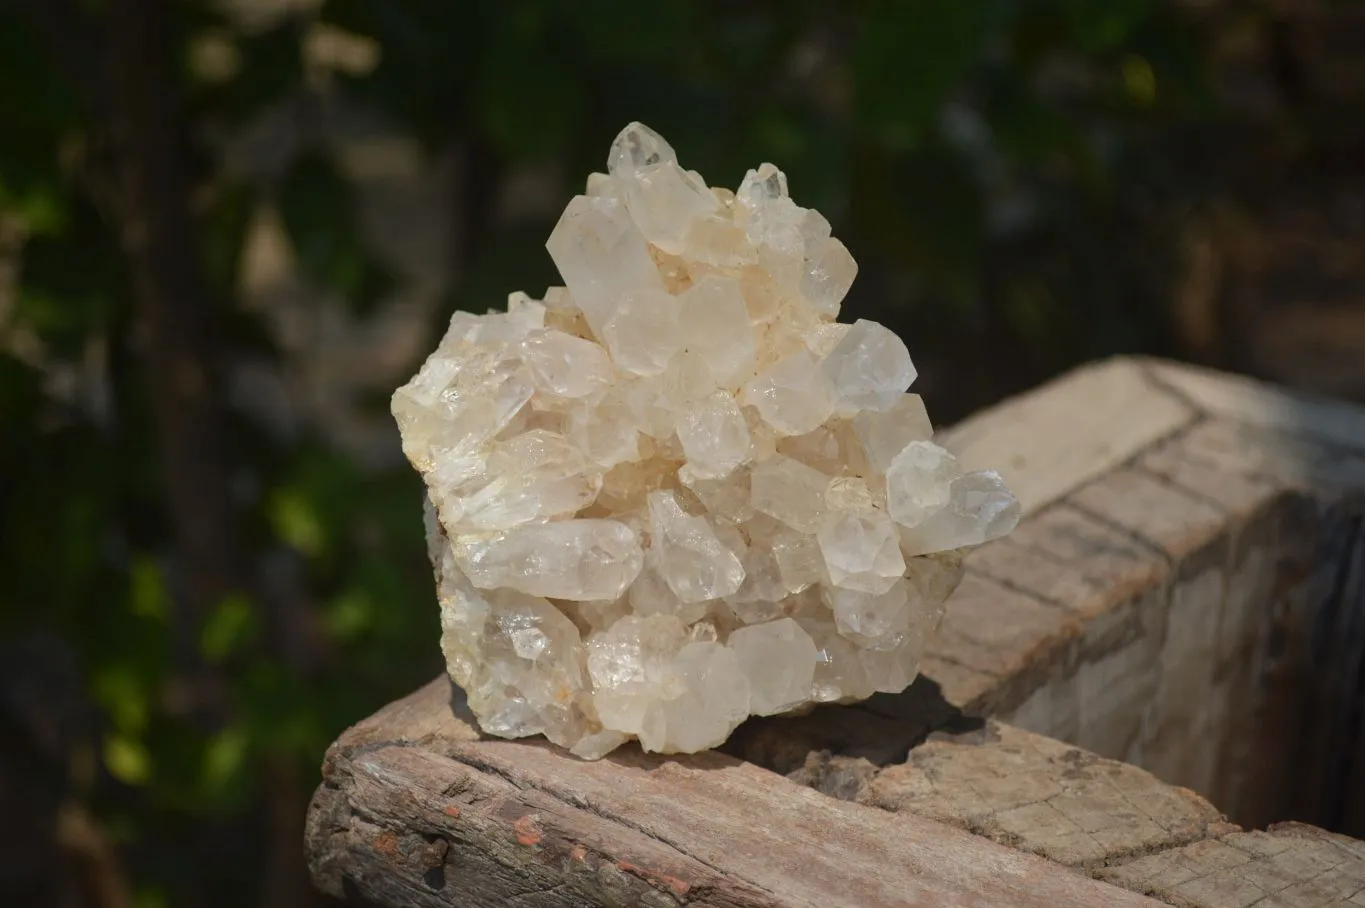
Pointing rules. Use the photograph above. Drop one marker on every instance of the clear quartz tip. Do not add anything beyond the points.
(635, 148)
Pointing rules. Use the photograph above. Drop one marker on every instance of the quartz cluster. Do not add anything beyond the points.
(676, 492)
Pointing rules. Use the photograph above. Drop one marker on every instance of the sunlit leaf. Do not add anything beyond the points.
(151, 897)
(225, 756)
(121, 690)
(1139, 80)
(70, 282)
(296, 521)
(148, 595)
(127, 760)
(228, 627)
(350, 614)
(40, 208)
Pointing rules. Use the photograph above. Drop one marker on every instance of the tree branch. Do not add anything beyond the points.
(181, 357)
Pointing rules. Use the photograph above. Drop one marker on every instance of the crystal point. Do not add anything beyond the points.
(636, 147)
(869, 368)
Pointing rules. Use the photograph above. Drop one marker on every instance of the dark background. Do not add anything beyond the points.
(227, 232)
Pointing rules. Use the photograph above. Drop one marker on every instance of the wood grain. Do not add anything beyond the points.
(1244, 400)
(1288, 866)
(1048, 442)
(1170, 605)
(1042, 796)
(442, 819)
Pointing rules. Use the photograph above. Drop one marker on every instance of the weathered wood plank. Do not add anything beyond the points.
(1244, 400)
(1042, 796)
(441, 819)
(1015, 635)
(1048, 442)
(962, 686)
(1288, 866)
(1202, 555)
(1183, 571)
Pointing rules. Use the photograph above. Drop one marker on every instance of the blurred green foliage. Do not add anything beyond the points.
(983, 158)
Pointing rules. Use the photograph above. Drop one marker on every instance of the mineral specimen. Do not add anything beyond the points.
(676, 492)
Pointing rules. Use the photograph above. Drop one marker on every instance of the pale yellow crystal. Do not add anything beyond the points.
(636, 147)
(979, 508)
(714, 436)
(840, 674)
(728, 498)
(869, 368)
(642, 333)
(799, 562)
(760, 597)
(714, 323)
(790, 491)
(692, 560)
(827, 274)
(778, 658)
(918, 482)
(666, 202)
(572, 559)
(602, 256)
(537, 475)
(650, 594)
(873, 620)
(793, 395)
(675, 492)
(566, 366)
(712, 699)
(605, 431)
(520, 661)
(629, 664)
(861, 550)
(884, 435)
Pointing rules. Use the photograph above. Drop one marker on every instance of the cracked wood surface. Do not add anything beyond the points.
(1189, 596)
(1288, 866)
(1043, 796)
(414, 810)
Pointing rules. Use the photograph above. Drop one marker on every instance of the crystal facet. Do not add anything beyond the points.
(675, 492)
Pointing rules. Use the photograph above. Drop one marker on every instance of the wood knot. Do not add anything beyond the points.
(434, 855)
(386, 843)
(526, 831)
(656, 878)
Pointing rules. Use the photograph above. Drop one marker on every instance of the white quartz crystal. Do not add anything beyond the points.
(676, 492)
(869, 368)
(778, 657)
